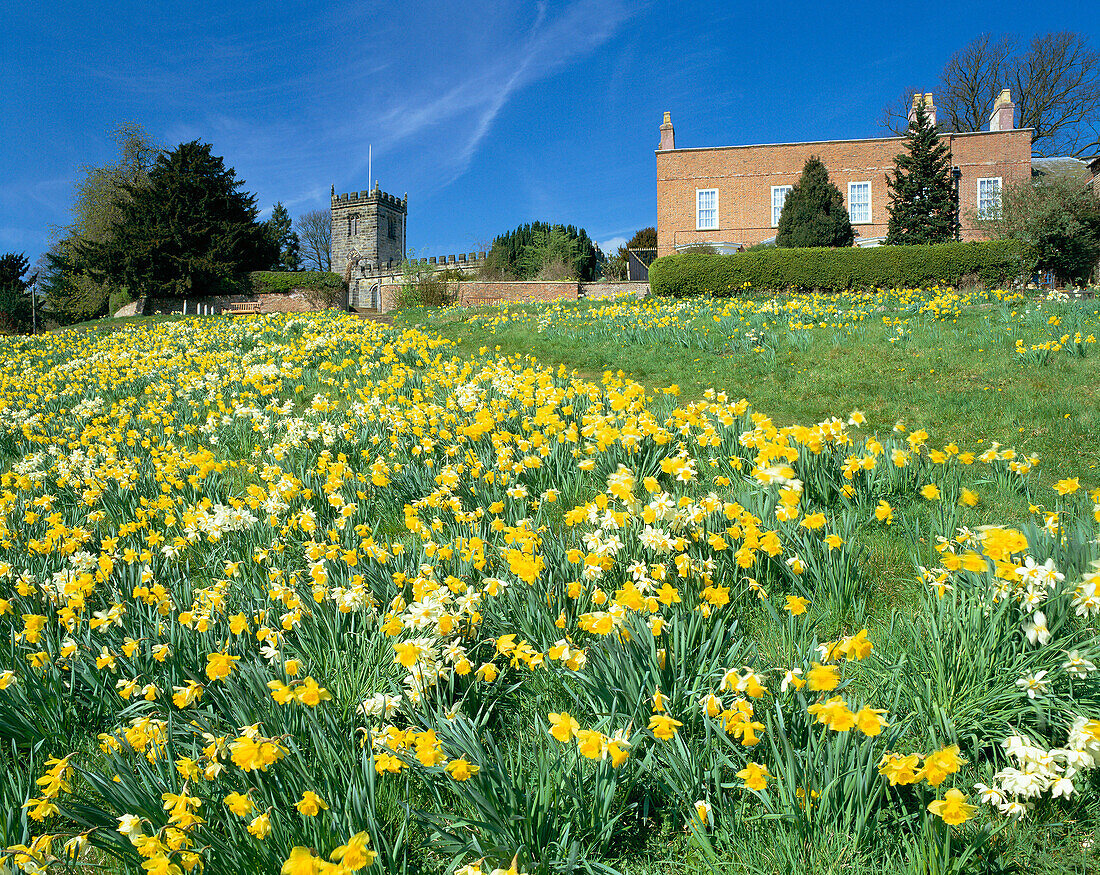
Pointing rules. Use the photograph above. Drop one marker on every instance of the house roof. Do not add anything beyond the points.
(1065, 167)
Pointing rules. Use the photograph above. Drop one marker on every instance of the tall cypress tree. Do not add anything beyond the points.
(284, 239)
(814, 213)
(923, 201)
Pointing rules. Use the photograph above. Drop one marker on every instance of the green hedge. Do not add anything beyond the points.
(690, 274)
(272, 281)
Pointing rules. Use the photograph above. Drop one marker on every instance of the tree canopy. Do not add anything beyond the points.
(543, 250)
(15, 292)
(72, 293)
(284, 239)
(814, 213)
(1058, 222)
(189, 231)
(923, 199)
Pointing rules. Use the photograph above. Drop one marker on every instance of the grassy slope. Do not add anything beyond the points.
(960, 381)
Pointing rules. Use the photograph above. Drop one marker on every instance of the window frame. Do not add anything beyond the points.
(775, 214)
(995, 210)
(870, 212)
(698, 210)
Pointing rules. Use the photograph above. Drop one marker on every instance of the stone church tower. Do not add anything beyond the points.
(368, 227)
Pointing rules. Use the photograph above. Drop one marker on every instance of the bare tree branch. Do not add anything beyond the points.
(315, 233)
(1055, 84)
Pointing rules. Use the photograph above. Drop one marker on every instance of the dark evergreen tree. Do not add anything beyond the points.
(15, 293)
(540, 249)
(189, 231)
(285, 240)
(923, 200)
(814, 213)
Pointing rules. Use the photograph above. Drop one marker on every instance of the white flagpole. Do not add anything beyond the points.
(370, 158)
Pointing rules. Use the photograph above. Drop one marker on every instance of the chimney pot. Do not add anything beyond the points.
(1004, 112)
(929, 108)
(668, 135)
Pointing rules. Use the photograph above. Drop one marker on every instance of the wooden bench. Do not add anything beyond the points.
(243, 308)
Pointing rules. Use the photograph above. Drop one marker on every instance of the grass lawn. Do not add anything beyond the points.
(958, 378)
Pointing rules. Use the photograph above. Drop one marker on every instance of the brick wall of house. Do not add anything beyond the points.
(744, 176)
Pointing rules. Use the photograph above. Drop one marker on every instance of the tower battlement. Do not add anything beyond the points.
(367, 226)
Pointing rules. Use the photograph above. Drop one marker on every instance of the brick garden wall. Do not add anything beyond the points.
(472, 294)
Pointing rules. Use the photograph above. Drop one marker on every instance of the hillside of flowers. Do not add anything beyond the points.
(307, 594)
(1035, 328)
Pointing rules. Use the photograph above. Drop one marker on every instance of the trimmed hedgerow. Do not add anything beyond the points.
(269, 281)
(691, 274)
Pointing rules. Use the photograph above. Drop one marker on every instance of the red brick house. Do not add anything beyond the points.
(731, 196)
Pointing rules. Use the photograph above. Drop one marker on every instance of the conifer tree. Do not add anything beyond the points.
(814, 213)
(284, 238)
(923, 201)
(189, 231)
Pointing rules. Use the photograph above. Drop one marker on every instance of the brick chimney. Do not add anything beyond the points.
(668, 136)
(929, 108)
(1004, 112)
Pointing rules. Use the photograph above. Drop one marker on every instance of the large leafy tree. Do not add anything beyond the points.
(284, 238)
(189, 231)
(72, 292)
(814, 213)
(923, 199)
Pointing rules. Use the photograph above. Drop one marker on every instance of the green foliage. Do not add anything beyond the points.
(689, 274)
(286, 281)
(189, 232)
(119, 299)
(814, 213)
(72, 292)
(923, 199)
(284, 239)
(1057, 221)
(424, 285)
(15, 302)
(616, 266)
(541, 250)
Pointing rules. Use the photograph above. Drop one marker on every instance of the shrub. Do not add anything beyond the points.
(1057, 222)
(814, 213)
(119, 298)
(267, 281)
(689, 274)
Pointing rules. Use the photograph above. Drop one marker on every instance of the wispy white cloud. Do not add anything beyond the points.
(469, 108)
(610, 247)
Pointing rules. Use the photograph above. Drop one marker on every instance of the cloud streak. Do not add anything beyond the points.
(550, 44)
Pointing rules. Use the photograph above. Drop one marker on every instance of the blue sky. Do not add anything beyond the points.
(487, 114)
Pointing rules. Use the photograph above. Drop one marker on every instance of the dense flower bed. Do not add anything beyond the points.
(313, 594)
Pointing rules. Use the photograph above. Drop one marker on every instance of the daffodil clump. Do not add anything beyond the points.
(310, 594)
